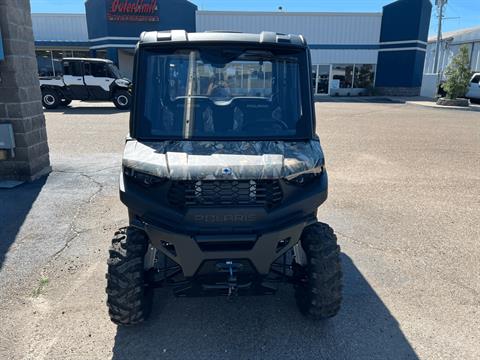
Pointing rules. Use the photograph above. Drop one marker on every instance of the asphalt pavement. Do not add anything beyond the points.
(403, 200)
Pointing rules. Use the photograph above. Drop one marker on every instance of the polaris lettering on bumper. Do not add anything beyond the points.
(223, 219)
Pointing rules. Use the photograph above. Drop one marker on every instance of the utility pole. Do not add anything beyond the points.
(440, 4)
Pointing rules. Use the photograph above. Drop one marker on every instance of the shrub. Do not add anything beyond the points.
(458, 75)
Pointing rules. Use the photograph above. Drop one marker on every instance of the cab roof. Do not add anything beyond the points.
(88, 59)
(265, 37)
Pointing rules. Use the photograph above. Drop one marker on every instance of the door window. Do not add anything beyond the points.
(98, 69)
(476, 79)
(73, 68)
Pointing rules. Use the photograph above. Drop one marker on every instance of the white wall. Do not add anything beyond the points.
(344, 56)
(448, 49)
(429, 83)
(125, 63)
(60, 27)
(448, 52)
(317, 28)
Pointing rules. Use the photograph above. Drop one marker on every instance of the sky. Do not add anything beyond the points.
(459, 14)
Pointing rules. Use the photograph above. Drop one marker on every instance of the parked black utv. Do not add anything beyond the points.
(222, 176)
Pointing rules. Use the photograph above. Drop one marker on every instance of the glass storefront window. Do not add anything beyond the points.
(323, 79)
(314, 77)
(81, 54)
(344, 74)
(44, 61)
(101, 54)
(50, 61)
(364, 75)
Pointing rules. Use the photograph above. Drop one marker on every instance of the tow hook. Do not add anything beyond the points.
(232, 280)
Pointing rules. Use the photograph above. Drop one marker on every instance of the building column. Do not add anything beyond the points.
(403, 43)
(112, 54)
(20, 97)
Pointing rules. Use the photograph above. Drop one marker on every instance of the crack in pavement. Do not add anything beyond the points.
(72, 227)
(55, 169)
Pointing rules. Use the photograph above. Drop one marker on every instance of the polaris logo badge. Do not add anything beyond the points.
(221, 219)
(227, 171)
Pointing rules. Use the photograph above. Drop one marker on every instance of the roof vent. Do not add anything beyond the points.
(268, 36)
(164, 36)
(179, 35)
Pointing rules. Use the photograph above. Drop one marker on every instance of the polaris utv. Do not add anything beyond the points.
(87, 80)
(222, 176)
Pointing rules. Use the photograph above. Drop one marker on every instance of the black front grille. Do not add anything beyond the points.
(210, 193)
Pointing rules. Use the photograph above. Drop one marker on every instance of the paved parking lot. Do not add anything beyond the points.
(404, 201)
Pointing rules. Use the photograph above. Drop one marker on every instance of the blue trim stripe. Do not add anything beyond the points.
(344, 46)
(404, 45)
(366, 46)
(2, 54)
(62, 43)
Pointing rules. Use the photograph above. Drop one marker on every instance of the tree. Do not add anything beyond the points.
(458, 75)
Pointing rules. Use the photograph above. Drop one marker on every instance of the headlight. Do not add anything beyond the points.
(141, 178)
(122, 83)
(305, 177)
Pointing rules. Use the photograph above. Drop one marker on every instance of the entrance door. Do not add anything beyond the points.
(323, 80)
(314, 78)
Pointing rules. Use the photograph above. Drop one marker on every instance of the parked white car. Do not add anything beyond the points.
(474, 88)
(86, 79)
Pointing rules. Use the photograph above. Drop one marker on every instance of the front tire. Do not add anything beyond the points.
(318, 285)
(50, 99)
(129, 299)
(122, 99)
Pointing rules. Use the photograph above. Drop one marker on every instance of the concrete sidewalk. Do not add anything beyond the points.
(417, 100)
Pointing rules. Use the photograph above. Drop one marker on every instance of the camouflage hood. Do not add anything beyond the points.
(203, 160)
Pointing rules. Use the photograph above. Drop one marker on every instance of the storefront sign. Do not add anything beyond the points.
(132, 10)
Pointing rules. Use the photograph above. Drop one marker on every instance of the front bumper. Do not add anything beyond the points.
(151, 206)
(197, 235)
(188, 253)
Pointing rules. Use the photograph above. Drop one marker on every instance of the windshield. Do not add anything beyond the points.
(217, 93)
(114, 71)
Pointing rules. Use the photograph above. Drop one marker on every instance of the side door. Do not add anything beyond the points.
(98, 80)
(474, 89)
(73, 79)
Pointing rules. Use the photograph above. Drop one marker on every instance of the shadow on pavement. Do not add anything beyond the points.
(15, 206)
(266, 327)
(90, 110)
